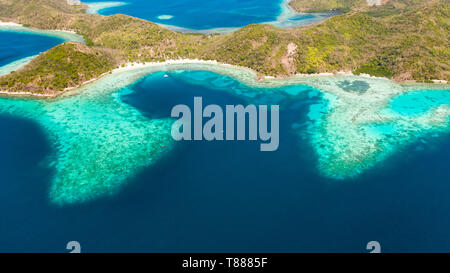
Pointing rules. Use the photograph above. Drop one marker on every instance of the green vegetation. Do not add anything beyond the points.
(374, 70)
(137, 40)
(402, 39)
(66, 65)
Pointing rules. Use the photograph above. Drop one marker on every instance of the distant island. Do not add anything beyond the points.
(404, 40)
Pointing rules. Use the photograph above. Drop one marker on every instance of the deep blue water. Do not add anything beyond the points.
(18, 45)
(227, 196)
(200, 14)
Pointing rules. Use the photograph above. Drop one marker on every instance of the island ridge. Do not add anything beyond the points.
(404, 40)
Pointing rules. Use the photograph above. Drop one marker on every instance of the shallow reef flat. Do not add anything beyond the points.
(100, 142)
(287, 18)
(62, 36)
(96, 7)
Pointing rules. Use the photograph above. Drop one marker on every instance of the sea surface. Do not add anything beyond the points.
(16, 45)
(227, 196)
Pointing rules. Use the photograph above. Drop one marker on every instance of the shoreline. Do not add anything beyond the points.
(237, 72)
(7, 94)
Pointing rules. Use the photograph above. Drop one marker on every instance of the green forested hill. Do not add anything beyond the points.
(397, 40)
(66, 65)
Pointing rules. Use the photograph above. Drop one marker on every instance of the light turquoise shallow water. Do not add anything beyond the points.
(19, 45)
(420, 101)
(98, 142)
(358, 154)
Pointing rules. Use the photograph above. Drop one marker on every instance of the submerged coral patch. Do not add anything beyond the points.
(96, 7)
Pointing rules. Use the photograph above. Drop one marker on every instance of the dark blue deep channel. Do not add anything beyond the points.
(199, 14)
(227, 196)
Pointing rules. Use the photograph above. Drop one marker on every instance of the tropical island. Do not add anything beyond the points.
(88, 152)
(404, 40)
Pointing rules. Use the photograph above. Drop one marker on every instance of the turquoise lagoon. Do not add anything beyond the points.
(209, 16)
(360, 159)
(19, 45)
